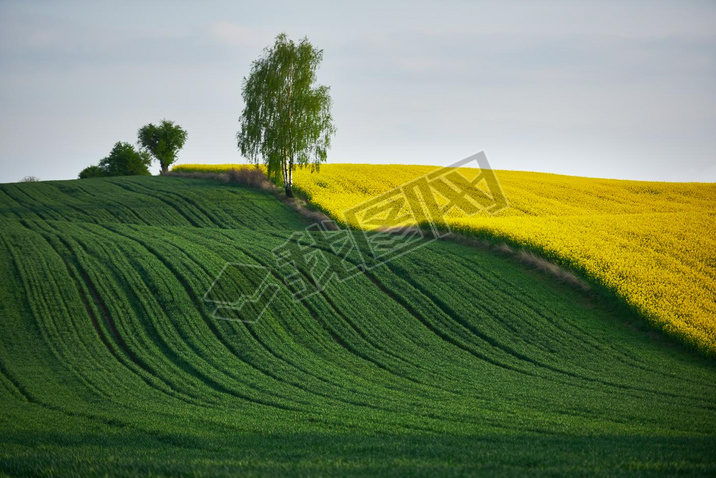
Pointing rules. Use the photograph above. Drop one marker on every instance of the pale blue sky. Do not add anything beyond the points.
(607, 89)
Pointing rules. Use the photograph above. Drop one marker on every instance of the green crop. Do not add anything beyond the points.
(449, 360)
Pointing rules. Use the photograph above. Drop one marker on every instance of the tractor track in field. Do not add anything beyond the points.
(452, 354)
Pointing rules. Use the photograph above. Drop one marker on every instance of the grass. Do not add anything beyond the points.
(448, 361)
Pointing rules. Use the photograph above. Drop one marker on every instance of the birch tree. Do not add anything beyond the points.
(286, 121)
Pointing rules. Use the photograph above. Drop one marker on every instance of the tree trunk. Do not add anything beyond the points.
(287, 186)
(289, 180)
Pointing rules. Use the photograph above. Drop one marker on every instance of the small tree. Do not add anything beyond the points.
(123, 160)
(286, 120)
(163, 141)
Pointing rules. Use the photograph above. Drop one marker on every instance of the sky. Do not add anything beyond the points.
(616, 89)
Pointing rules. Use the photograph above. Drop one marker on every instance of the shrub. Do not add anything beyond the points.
(252, 177)
(123, 160)
(92, 172)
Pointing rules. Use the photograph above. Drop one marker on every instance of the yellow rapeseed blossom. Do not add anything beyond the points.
(652, 243)
(208, 168)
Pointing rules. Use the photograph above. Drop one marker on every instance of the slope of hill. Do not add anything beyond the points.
(651, 243)
(447, 360)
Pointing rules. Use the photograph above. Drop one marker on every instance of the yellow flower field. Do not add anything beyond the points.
(207, 168)
(652, 243)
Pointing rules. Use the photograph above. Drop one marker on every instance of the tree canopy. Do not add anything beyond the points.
(123, 160)
(163, 141)
(92, 172)
(286, 121)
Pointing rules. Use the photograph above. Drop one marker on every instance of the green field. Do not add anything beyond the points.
(447, 361)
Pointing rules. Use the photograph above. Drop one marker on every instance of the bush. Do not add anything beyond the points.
(252, 177)
(92, 172)
(30, 179)
(123, 160)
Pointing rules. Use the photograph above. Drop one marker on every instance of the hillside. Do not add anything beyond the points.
(447, 360)
(651, 243)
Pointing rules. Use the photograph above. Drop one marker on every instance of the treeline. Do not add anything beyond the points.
(155, 142)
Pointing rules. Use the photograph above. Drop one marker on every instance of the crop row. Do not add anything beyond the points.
(650, 243)
(105, 339)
